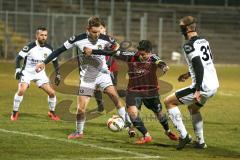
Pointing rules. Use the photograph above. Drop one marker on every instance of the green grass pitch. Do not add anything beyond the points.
(34, 136)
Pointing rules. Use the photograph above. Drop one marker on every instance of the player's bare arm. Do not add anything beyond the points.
(184, 77)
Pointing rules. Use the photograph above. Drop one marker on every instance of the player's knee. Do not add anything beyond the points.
(80, 110)
(193, 110)
(52, 94)
(166, 101)
(132, 112)
(21, 92)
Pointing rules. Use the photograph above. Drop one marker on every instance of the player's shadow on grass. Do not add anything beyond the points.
(221, 123)
(164, 145)
(24, 116)
(218, 152)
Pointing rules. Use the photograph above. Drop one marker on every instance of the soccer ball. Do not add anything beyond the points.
(115, 124)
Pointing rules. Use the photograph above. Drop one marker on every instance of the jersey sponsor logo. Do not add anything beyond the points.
(25, 48)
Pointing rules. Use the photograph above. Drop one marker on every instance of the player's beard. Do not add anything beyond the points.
(42, 42)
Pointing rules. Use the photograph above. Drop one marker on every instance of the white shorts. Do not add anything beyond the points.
(40, 78)
(88, 84)
(186, 96)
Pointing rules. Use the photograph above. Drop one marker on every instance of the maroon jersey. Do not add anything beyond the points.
(142, 74)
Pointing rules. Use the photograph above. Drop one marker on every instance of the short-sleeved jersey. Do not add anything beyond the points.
(198, 46)
(92, 65)
(142, 74)
(33, 53)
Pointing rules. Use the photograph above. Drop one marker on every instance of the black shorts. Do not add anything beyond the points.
(136, 99)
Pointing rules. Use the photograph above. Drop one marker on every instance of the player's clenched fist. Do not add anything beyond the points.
(39, 67)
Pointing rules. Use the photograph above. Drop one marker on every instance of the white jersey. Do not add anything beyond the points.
(33, 53)
(91, 66)
(197, 46)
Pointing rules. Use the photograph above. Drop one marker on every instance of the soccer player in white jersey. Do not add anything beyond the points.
(204, 84)
(33, 53)
(94, 71)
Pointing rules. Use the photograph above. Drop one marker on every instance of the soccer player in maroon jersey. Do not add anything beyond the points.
(142, 86)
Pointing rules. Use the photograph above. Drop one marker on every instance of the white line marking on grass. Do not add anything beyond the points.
(139, 155)
(103, 158)
(225, 94)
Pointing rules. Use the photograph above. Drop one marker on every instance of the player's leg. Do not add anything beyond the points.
(197, 123)
(155, 105)
(82, 102)
(133, 103)
(18, 97)
(87, 87)
(99, 100)
(52, 100)
(112, 93)
(183, 96)
(105, 83)
(138, 123)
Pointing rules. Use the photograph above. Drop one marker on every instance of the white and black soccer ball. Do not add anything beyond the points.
(115, 123)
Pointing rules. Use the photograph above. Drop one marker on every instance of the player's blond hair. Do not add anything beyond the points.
(189, 21)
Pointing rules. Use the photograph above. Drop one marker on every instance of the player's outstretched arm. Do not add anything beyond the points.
(184, 77)
(54, 54)
(160, 63)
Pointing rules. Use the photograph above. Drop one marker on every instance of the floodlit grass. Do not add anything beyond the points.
(35, 136)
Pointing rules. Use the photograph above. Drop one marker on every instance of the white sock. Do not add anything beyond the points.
(52, 103)
(16, 102)
(122, 113)
(176, 117)
(128, 118)
(80, 126)
(147, 134)
(197, 123)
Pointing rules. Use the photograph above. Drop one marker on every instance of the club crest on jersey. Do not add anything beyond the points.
(25, 48)
(99, 46)
(45, 55)
(72, 38)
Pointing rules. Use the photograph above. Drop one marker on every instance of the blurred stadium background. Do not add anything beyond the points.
(156, 20)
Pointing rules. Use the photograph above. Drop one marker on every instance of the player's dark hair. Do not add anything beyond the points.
(102, 22)
(94, 21)
(145, 45)
(41, 28)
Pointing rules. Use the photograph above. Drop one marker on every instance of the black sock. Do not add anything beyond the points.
(138, 123)
(163, 120)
